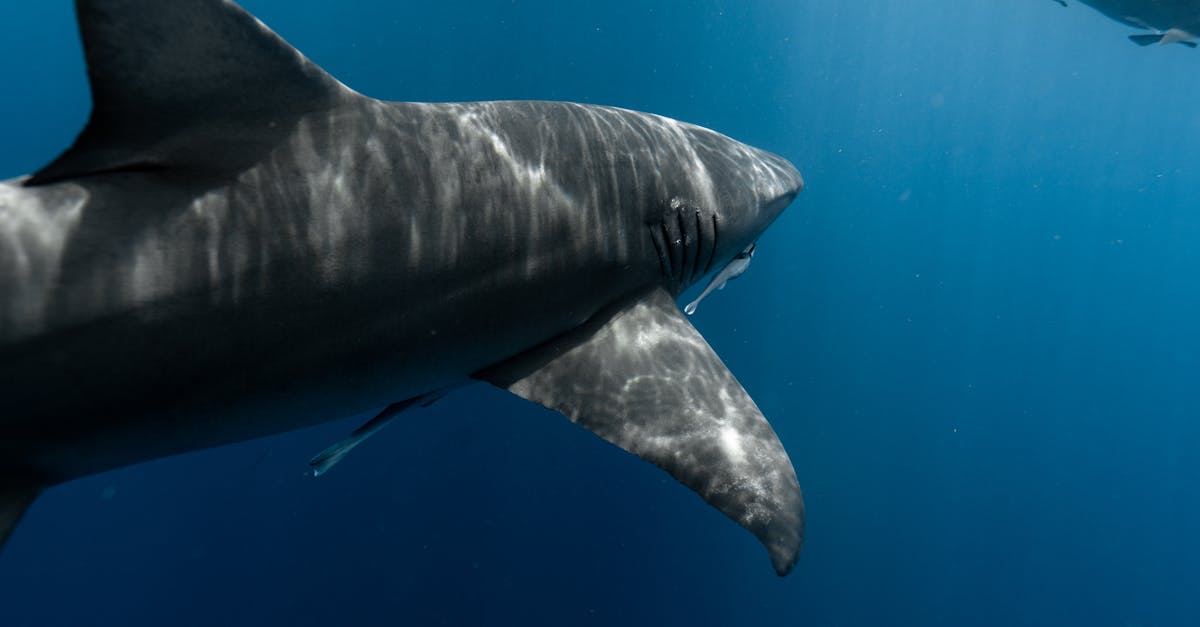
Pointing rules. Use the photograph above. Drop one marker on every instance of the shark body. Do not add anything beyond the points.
(239, 245)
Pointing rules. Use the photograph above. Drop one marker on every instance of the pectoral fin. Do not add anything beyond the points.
(643, 378)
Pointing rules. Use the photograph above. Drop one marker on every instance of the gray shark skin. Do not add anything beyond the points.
(1173, 21)
(238, 245)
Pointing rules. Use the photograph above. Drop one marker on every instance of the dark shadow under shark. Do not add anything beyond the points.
(239, 245)
(1172, 21)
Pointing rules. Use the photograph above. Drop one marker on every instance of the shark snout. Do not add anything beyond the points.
(779, 183)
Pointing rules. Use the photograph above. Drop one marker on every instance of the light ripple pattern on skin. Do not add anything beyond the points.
(34, 228)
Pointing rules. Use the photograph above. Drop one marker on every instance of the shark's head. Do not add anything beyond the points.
(734, 192)
(754, 193)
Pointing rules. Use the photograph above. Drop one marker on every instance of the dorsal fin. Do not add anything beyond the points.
(179, 83)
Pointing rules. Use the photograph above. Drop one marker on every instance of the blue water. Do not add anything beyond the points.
(975, 332)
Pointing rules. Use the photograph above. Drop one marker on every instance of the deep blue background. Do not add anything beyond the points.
(975, 332)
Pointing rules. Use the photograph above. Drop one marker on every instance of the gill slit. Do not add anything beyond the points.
(670, 246)
(684, 242)
(712, 255)
(699, 249)
(664, 263)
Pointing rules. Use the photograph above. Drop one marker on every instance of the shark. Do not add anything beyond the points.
(1171, 21)
(238, 245)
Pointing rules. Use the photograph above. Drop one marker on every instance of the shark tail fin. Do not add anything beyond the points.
(14, 500)
(185, 83)
(641, 377)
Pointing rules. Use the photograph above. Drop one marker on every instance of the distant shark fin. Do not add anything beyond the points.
(15, 498)
(643, 378)
(1147, 39)
(1178, 36)
(197, 84)
(1172, 36)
